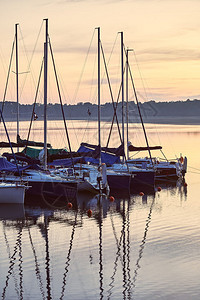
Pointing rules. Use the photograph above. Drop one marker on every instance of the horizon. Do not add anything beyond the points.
(87, 102)
(164, 35)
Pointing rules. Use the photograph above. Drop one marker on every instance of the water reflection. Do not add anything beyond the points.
(12, 261)
(26, 219)
(174, 187)
(67, 263)
(37, 267)
(142, 245)
(12, 211)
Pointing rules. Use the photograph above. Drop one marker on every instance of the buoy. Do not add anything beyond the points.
(159, 189)
(69, 205)
(181, 159)
(141, 194)
(112, 199)
(89, 213)
(185, 184)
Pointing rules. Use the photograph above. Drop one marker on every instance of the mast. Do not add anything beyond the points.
(99, 97)
(127, 114)
(122, 82)
(45, 92)
(17, 79)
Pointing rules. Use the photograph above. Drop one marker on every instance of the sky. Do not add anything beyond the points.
(163, 34)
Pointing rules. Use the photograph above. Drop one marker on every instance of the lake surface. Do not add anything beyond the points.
(133, 248)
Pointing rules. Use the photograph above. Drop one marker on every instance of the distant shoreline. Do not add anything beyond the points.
(174, 120)
(179, 112)
(195, 120)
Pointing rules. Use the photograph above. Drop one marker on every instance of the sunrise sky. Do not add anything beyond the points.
(165, 36)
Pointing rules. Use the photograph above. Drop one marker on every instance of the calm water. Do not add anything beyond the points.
(133, 248)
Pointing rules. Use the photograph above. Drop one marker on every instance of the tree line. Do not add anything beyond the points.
(87, 110)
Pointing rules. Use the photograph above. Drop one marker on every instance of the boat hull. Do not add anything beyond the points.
(12, 193)
(119, 183)
(166, 174)
(45, 187)
(62, 191)
(142, 181)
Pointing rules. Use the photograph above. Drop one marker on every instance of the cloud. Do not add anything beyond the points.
(163, 54)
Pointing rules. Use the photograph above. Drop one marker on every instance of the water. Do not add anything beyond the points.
(133, 248)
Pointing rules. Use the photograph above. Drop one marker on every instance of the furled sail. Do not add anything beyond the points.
(117, 151)
(30, 143)
(133, 148)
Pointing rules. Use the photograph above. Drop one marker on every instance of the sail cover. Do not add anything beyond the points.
(66, 162)
(117, 151)
(133, 148)
(30, 143)
(10, 167)
(107, 158)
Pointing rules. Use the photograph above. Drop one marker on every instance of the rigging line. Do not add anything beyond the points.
(25, 50)
(154, 114)
(78, 85)
(86, 128)
(111, 94)
(6, 87)
(110, 54)
(193, 172)
(194, 168)
(94, 96)
(145, 93)
(115, 112)
(139, 111)
(93, 71)
(163, 154)
(67, 263)
(69, 109)
(12, 263)
(59, 93)
(37, 270)
(112, 50)
(140, 74)
(33, 111)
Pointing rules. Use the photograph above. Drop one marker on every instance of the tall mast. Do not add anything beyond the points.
(17, 79)
(45, 92)
(122, 81)
(99, 97)
(127, 110)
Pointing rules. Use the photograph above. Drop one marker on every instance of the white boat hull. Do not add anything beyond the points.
(12, 193)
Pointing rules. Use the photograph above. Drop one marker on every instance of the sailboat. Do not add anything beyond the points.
(141, 178)
(117, 181)
(164, 169)
(42, 184)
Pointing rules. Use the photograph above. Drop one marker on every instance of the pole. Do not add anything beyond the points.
(127, 110)
(122, 82)
(99, 97)
(17, 79)
(45, 92)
